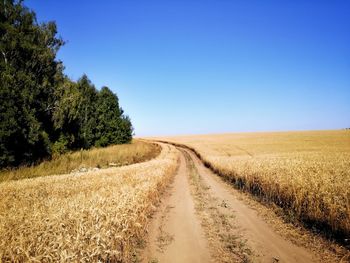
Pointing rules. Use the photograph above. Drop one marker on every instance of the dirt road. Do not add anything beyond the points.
(202, 220)
(176, 234)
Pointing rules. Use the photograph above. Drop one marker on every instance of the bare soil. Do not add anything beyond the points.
(175, 234)
(201, 219)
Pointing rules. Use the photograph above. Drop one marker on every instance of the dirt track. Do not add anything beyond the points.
(202, 220)
(176, 234)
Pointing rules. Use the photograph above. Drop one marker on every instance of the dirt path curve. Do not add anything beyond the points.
(201, 220)
(175, 234)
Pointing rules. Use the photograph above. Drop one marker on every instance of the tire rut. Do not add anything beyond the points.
(202, 220)
(175, 234)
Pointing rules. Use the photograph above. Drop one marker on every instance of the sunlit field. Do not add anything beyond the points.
(94, 216)
(306, 173)
(116, 155)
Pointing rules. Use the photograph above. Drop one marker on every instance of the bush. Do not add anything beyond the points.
(60, 146)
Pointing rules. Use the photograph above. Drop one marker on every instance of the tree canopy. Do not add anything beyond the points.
(42, 111)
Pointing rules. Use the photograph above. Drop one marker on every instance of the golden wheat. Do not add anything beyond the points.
(118, 155)
(306, 173)
(94, 216)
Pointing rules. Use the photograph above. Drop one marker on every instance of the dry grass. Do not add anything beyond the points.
(306, 173)
(94, 216)
(119, 155)
(226, 244)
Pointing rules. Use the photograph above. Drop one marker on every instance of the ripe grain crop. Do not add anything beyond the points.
(90, 217)
(305, 173)
(118, 155)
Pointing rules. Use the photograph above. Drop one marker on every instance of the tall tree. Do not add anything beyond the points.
(66, 116)
(27, 77)
(41, 110)
(87, 111)
(112, 126)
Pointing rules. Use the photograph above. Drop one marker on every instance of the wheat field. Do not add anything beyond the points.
(305, 173)
(118, 155)
(94, 216)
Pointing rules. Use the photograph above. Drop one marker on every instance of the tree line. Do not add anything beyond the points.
(42, 111)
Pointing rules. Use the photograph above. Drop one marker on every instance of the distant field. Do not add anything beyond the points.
(306, 173)
(98, 216)
(117, 155)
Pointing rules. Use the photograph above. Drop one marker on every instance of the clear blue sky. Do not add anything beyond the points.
(197, 66)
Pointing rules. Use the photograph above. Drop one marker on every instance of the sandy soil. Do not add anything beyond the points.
(175, 234)
(202, 220)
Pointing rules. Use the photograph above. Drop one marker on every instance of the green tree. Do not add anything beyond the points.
(75, 113)
(66, 116)
(41, 110)
(28, 72)
(112, 126)
(126, 129)
(87, 112)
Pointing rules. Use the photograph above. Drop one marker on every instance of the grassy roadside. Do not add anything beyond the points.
(116, 155)
(226, 243)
